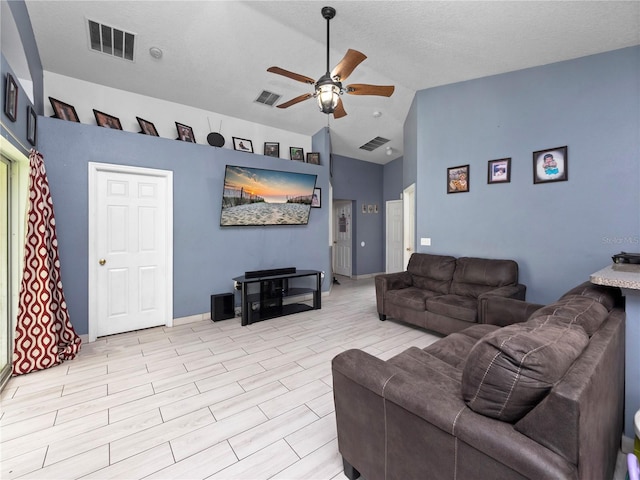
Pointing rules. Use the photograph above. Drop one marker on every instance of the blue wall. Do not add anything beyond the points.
(558, 232)
(362, 183)
(206, 256)
(392, 185)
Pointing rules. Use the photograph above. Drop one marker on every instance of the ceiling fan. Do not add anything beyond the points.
(328, 87)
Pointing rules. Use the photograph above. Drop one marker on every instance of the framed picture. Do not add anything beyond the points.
(499, 171)
(106, 120)
(296, 153)
(11, 98)
(185, 133)
(370, 208)
(551, 165)
(242, 144)
(147, 127)
(458, 179)
(32, 125)
(313, 157)
(64, 111)
(316, 200)
(272, 149)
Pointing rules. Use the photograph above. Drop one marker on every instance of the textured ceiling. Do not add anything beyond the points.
(219, 51)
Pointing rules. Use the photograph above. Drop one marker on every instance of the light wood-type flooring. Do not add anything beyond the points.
(200, 400)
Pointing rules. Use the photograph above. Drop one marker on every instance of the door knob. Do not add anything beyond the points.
(102, 261)
(408, 249)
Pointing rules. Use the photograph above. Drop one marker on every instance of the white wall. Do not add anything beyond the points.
(86, 96)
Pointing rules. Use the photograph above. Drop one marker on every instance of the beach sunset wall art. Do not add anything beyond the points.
(259, 197)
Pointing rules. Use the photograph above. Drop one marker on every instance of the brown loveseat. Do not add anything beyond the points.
(443, 293)
(539, 399)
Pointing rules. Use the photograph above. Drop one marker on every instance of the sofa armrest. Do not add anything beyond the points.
(503, 311)
(390, 281)
(424, 416)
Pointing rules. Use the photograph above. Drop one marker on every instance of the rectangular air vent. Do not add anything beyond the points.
(112, 41)
(373, 144)
(268, 98)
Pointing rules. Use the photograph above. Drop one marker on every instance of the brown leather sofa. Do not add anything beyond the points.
(443, 293)
(537, 399)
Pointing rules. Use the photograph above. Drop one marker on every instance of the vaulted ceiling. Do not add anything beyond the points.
(216, 53)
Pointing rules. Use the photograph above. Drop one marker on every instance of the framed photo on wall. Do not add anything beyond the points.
(64, 111)
(458, 179)
(32, 125)
(499, 171)
(272, 149)
(242, 144)
(106, 120)
(551, 165)
(316, 200)
(11, 98)
(147, 127)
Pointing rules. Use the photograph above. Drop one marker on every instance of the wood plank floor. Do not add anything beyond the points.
(202, 400)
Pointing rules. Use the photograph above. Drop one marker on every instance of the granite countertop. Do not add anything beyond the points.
(623, 275)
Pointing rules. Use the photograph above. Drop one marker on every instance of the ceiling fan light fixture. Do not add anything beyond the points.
(327, 94)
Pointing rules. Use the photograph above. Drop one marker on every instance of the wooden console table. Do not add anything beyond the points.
(267, 293)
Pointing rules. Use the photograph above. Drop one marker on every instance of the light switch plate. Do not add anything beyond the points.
(425, 241)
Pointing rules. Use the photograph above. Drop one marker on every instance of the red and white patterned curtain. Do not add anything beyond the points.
(44, 335)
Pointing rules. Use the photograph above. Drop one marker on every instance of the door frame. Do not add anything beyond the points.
(95, 169)
(334, 206)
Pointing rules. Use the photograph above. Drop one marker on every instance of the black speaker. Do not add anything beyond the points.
(215, 139)
(222, 306)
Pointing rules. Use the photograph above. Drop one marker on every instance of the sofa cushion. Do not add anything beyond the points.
(475, 276)
(432, 272)
(454, 306)
(455, 347)
(607, 296)
(511, 369)
(584, 311)
(412, 297)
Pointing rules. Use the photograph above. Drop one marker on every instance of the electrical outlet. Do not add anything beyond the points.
(425, 242)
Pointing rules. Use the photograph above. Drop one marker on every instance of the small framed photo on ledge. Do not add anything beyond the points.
(551, 165)
(458, 179)
(499, 171)
(147, 127)
(272, 149)
(106, 120)
(313, 157)
(185, 133)
(242, 144)
(296, 153)
(64, 111)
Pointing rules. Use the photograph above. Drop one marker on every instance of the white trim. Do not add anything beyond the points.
(93, 170)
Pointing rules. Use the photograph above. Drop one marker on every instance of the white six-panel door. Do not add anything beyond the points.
(130, 255)
(394, 240)
(342, 238)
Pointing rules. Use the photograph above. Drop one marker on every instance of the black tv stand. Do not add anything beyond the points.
(262, 296)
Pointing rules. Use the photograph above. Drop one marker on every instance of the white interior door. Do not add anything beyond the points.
(394, 232)
(131, 259)
(342, 238)
(409, 224)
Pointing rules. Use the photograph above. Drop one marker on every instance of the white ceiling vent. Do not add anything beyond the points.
(110, 40)
(268, 98)
(371, 145)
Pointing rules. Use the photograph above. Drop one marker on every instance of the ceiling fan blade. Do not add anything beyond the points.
(293, 101)
(339, 111)
(351, 60)
(365, 89)
(292, 75)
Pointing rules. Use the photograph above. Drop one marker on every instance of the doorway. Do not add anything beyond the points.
(342, 228)
(409, 221)
(130, 249)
